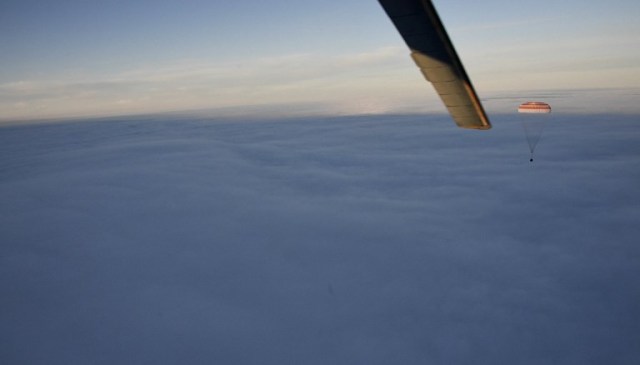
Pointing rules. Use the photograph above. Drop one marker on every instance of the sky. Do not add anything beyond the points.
(75, 58)
(387, 239)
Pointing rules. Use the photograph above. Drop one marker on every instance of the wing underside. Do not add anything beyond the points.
(434, 54)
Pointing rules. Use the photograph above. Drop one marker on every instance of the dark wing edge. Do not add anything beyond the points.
(432, 50)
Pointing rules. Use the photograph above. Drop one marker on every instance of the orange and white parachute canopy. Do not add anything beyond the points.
(534, 107)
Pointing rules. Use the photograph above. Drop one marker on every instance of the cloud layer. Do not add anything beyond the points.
(389, 239)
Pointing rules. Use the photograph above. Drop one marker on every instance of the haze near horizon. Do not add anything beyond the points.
(74, 59)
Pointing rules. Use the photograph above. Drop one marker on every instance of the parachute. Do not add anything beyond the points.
(534, 115)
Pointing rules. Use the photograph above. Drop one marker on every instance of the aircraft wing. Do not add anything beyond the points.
(433, 52)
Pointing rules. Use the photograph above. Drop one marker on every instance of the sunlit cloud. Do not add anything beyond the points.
(379, 81)
(353, 83)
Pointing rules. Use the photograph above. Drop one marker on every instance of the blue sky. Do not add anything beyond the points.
(73, 58)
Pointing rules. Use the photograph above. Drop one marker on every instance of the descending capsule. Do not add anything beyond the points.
(534, 121)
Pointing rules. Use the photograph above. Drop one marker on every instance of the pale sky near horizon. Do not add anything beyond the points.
(76, 58)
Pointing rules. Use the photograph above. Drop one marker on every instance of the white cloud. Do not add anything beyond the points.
(346, 240)
(295, 78)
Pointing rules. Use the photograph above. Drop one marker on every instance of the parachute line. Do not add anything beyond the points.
(533, 127)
